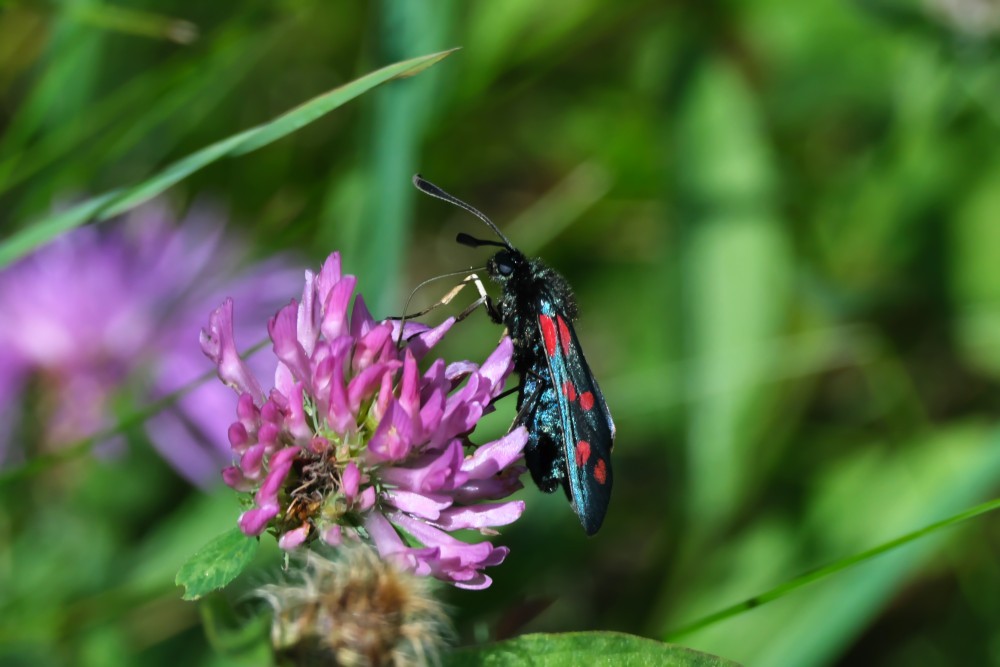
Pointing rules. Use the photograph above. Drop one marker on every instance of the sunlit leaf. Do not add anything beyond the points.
(216, 564)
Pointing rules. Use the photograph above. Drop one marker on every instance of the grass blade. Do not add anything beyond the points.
(116, 202)
(784, 589)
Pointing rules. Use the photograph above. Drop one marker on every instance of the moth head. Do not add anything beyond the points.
(506, 264)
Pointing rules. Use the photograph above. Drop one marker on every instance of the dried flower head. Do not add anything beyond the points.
(355, 442)
(354, 609)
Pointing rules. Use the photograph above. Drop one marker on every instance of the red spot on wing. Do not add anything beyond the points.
(601, 471)
(583, 453)
(586, 400)
(563, 332)
(569, 390)
(548, 333)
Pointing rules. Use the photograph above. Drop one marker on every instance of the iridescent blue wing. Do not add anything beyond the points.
(587, 430)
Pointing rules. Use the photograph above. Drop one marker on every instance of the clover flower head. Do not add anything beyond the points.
(106, 307)
(355, 442)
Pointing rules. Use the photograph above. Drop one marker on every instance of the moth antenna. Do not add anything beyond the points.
(473, 242)
(429, 188)
(409, 316)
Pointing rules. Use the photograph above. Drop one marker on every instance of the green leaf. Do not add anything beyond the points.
(576, 648)
(117, 202)
(216, 564)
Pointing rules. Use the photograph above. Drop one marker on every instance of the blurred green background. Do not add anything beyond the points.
(781, 221)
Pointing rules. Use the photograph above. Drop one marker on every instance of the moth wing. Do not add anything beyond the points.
(588, 432)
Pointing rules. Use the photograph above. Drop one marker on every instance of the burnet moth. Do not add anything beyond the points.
(570, 430)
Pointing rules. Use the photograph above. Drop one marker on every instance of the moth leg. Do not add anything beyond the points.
(507, 393)
(533, 375)
(484, 299)
(492, 310)
(529, 402)
(446, 299)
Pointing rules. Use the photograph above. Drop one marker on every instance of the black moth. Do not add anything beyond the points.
(570, 431)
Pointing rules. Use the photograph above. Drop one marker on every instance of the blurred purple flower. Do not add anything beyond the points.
(355, 442)
(107, 312)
